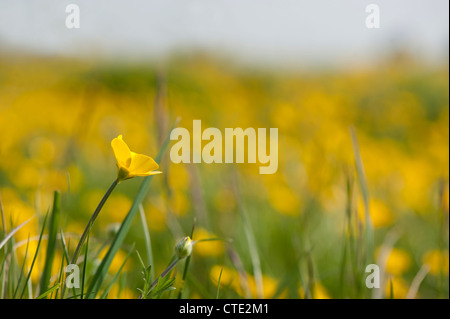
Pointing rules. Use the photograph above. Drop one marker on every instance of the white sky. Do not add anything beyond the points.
(297, 31)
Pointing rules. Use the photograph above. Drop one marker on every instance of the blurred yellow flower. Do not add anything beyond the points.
(17, 211)
(180, 203)
(117, 262)
(117, 292)
(156, 215)
(131, 164)
(178, 177)
(399, 261)
(269, 284)
(208, 248)
(42, 150)
(230, 279)
(30, 251)
(318, 292)
(380, 213)
(399, 288)
(115, 209)
(437, 261)
(224, 200)
(75, 177)
(284, 200)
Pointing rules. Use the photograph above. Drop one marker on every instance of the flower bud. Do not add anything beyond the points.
(184, 247)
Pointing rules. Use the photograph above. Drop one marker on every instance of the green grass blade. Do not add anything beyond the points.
(67, 258)
(85, 263)
(3, 277)
(250, 237)
(342, 267)
(51, 243)
(391, 289)
(92, 220)
(199, 286)
(218, 283)
(140, 260)
(116, 276)
(2, 216)
(48, 292)
(35, 256)
(2, 272)
(368, 234)
(123, 231)
(60, 278)
(64, 246)
(79, 295)
(11, 267)
(23, 268)
(148, 242)
(253, 249)
(415, 285)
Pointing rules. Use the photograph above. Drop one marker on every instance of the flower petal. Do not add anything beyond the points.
(121, 152)
(142, 165)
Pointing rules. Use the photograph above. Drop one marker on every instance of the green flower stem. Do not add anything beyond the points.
(91, 222)
(168, 269)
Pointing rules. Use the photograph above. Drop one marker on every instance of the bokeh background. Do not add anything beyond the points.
(312, 70)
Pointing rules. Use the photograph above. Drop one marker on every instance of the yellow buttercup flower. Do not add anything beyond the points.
(131, 164)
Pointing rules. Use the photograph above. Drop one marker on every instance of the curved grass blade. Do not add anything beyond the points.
(91, 222)
(85, 262)
(362, 179)
(148, 242)
(67, 258)
(415, 285)
(51, 244)
(60, 278)
(15, 230)
(48, 292)
(23, 267)
(35, 256)
(218, 283)
(251, 240)
(79, 295)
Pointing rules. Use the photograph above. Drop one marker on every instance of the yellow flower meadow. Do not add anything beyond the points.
(131, 164)
(45, 147)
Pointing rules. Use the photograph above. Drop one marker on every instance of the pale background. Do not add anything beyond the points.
(263, 31)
